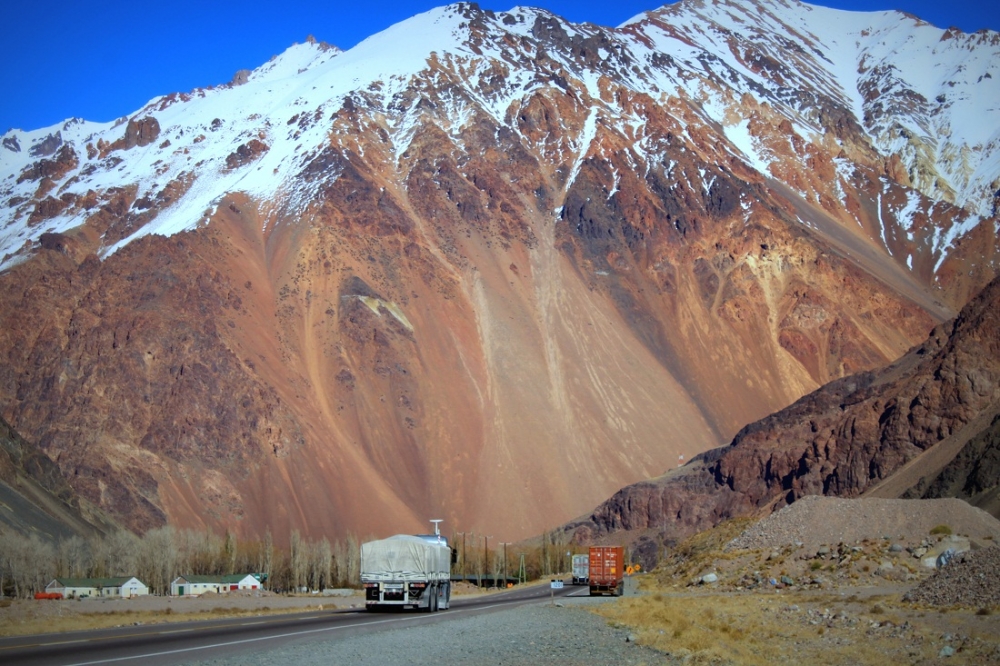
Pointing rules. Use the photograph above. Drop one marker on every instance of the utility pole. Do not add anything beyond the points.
(505, 544)
(486, 557)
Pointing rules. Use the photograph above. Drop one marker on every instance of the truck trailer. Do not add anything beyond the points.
(407, 571)
(607, 570)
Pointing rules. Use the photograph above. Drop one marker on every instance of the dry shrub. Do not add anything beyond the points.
(700, 550)
(749, 630)
(692, 626)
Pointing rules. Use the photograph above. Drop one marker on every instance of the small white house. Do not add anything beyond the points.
(78, 588)
(197, 585)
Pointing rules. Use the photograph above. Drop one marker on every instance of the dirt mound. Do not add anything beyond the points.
(971, 579)
(817, 520)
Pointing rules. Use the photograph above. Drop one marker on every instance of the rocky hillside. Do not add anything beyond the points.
(973, 474)
(842, 440)
(36, 498)
(487, 267)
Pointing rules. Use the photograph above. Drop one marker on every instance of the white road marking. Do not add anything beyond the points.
(414, 618)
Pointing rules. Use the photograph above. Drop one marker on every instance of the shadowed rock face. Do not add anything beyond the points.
(444, 295)
(840, 440)
(38, 498)
(973, 474)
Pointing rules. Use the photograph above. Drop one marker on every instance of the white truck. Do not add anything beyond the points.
(407, 572)
(581, 569)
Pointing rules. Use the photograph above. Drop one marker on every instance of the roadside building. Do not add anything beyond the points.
(80, 588)
(197, 585)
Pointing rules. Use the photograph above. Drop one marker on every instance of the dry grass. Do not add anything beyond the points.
(740, 629)
(866, 623)
(702, 550)
(755, 629)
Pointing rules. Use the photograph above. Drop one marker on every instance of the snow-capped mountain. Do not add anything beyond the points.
(422, 275)
(880, 81)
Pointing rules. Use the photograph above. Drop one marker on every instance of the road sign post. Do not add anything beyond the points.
(553, 586)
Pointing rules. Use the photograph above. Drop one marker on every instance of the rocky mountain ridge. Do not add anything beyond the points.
(843, 440)
(482, 256)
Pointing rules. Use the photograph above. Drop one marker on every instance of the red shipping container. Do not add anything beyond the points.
(607, 570)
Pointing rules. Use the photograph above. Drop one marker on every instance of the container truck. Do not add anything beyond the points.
(607, 575)
(407, 571)
(581, 569)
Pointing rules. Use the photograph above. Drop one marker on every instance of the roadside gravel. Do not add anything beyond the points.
(565, 634)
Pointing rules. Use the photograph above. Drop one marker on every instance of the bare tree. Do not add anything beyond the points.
(298, 560)
(353, 560)
(158, 558)
(115, 554)
(73, 557)
(29, 562)
(339, 563)
(267, 557)
(281, 578)
(7, 546)
(320, 564)
(229, 550)
(200, 552)
(346, 565)
(497, 566)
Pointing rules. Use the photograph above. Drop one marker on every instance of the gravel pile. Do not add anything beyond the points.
(971, 579)
(816, 520)
(537, 634)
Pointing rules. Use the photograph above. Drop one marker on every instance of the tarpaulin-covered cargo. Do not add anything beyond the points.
(404, 557)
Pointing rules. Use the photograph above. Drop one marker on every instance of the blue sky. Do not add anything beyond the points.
(103, 59)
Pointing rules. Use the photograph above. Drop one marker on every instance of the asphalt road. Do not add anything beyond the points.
(178, 643)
